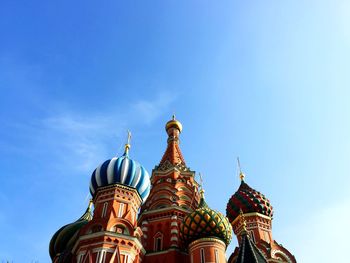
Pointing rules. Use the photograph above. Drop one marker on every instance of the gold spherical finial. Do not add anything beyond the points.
(173, 123)
(241, 176)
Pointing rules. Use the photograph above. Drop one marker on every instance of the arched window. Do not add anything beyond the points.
(104, 209)
(216, 253)
(202, 255)
(158, 241)
(121, 210)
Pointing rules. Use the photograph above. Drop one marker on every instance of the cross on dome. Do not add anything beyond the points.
(241, 174)
(127, 145)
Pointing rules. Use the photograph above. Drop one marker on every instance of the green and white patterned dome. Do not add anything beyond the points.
(205, 222)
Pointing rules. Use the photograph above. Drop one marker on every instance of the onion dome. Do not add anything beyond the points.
(64, 239)
(173, 123)
(205, 222)
(249, 200)
(121, 170)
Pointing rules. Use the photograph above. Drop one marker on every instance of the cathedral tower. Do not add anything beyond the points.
(173, 195)
(118, 186)
(257, 224)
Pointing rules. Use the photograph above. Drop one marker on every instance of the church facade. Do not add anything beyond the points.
(133, 217)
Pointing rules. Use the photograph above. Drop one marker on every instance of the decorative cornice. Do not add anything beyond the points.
(109, 234)
(206, 239)
(251, 214)
(120, 186)
(168, 166)
(159, 213)
(165, 252)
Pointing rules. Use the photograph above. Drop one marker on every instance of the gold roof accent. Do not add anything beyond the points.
(173, 123)
(127, 145)
(241, 174)
(243, 222)
(201, 192)
(90, 204)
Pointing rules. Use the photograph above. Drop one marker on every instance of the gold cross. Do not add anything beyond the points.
(127, 145)
(241, 175)
(239, 165)
(129, 137)
(200, 180)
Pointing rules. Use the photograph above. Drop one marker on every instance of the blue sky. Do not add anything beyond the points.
(264, 80)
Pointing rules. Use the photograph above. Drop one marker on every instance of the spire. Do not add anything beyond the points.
(173, 153)
(241, 174)
(127, 145)
(249, 252)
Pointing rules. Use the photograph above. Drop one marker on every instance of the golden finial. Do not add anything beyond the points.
(200, 180)
(201, 185)
(243, 222)
(88, 213)
(127, 145)
(241, 174)
(173, 123)
(90, 204)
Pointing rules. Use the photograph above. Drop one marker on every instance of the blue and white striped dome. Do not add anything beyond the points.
(121, 170)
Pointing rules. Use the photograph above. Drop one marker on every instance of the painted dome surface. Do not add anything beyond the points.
(121, 170)
(66, 236)
(205, 222)
(249, 200)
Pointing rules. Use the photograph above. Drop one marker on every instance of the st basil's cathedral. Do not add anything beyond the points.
(133, 217)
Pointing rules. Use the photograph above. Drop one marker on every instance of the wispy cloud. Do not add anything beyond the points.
(85, 137)
(148, 111)
(71, 144)
(75, 139)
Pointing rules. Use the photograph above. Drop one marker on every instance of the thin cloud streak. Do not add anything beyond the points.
(86, 137)
(69, 145)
